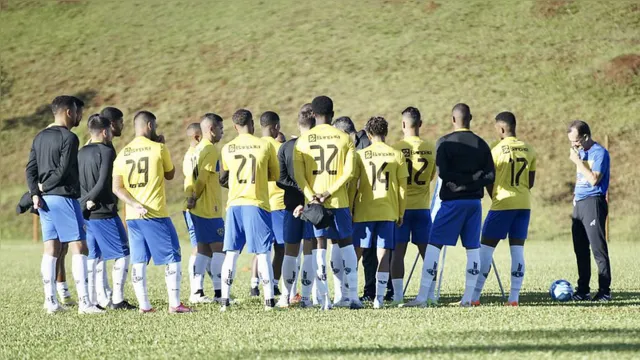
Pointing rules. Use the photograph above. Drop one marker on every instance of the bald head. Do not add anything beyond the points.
(461, 115)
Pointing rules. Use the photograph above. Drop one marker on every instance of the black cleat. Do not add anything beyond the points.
(255, 292)
(276, 291)
(366, 298)
(581, 297)
(388, 296)
(124, 305)
(602, 297)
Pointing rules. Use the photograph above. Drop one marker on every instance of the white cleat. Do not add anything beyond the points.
(306, 303)
(414, 303)
(465, 304)
(378, 304)
(55, 309)
(325, 303)
(200, 299)
(89, 310)
(342, 303)
(283, 303)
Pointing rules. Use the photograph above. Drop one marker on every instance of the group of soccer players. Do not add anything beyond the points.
(310, 190)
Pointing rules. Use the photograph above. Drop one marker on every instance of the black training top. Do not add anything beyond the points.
(362, 140)
(96, 170)
(293, 195)
(53, 162)
(464, 164)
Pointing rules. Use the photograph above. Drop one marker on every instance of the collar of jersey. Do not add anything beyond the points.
(461, 129)
(510, 138)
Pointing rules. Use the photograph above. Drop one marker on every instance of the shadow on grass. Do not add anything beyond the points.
(620, 299)
(42, 115)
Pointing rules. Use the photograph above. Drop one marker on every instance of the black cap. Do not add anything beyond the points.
(317, 215)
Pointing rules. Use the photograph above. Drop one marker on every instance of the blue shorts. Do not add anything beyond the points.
(341, 228)
(374, 233)
(153, 239)
(295, 229)
(250, 225)
(61, 219)
(457, 218)
(107, 238)
(416, 224)
(500, 223)
(192, 231)
(207, 231)
(277, 224)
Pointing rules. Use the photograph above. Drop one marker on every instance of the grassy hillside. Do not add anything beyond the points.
(547, 61)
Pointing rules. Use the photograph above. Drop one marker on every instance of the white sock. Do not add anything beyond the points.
(471, 274)
(315, 294)
(350, 271)
(105, 275)
(119, 274)
(337, 268)
(63, 289)
(517, 272)
(216, 269)
(398, 289)
(382, 278)
(48, 271)
(307, 277)
(91, 281)
(193, 284)
(173, 276)
(101, 283)
(200, 269)
(294, 289)
(255, 282)
(228, 272)
(266, 273)
(321, 272)
(432, 289)
(486, 256)
(289, 274)
(429, 271)
(139, 281)
(79, 270)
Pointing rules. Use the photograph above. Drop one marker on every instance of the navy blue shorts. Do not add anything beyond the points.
(416, 224)
(341, 228)
(61, 219)
(107, 239)
(250, 225)
(502, 223)
(277, 223)
(192, 231)
(457, 218)
(153, 239)
(295, 229)
(208, 230)
(379, 234)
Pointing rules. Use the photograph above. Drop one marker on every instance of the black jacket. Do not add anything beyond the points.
(293, 195)
(95, 162)
(362, 140)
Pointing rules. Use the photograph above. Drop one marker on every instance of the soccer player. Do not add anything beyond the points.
(270, 124)
(465, 166)
(324, 160)
(590, 210)
(52, 178)
(115, 116)
(205, 206)
(251, 164)
(515, 163)
(139, 175)
(420, 158)
(106, 236)
(295, 229)
(379, 186)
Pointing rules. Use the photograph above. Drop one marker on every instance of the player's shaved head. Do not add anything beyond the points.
(462, 114)
(144, 123)
(345, 124)
(193, 129)
(306, 120)
(411, 117)
(377, 126)
(507, 120)
(269, 118)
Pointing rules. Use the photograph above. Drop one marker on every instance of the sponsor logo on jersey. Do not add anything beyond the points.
(128, 151)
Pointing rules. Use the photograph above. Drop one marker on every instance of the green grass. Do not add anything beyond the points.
(181, 59)
(539, 328)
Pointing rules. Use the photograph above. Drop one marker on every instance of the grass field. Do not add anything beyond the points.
(537, 329)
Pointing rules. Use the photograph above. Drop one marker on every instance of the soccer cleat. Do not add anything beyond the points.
(283, 303)
(414, 303)
(475, 303)
(55, 309)
(581, 296)
(432, 303)
(602, 297)
(465, 304)
(88, 310)
(325, 303)
(508, 303)
(124, 305)
(200, 298)
(296, 299)
(305, 303)
(180, 309)
(366, 298)
(67, 301)
(255, 292)
(378, 304)
(388, 296)
(356, 305)
(396, 303)
(269, 304)
(276, 290)
(147, 311)
(224, 304)
(342, 303)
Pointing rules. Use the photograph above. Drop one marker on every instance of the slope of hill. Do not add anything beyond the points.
(547, 61)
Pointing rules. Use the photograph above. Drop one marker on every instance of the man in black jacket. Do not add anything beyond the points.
(106, 236)
(466, 167)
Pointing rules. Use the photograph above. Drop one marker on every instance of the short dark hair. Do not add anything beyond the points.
(322, 105)
(194, 127)
(144, 115)
(464, 110)
(345, 124)
(377, 126)
(269, 118)
(305, 116)
(242, 117)
(413, 114)
(507, 118)
(97, 123)
(62, 102)
(581, 126)
(214, 118)
(78, 101)
(112, 113)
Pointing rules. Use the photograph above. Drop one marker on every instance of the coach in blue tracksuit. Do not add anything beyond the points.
(590, 210)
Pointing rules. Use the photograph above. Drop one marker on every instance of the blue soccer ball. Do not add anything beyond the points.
(561, 290)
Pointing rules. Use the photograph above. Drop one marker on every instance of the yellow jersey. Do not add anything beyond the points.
(323, 160)
(142, 165)
(514, 159)
(420, 157)
(276, 195)
(206, 181)
(251, 164)
(382, 175)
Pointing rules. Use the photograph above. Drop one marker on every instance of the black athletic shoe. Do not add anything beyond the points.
(581, 297)
(602, 297)
(254, 292)
(100, 307)
(276, 291)
(366, 298)
(124, 305)
(388, 296)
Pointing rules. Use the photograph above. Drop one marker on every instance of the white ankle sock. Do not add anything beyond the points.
(172, 277)
(382, 278)
(429, 271)
(471, 274)
(101, 284)
(119, 275)
(48, 271)
(517, 272)
(193, 284)
(91, 281)
(486, 256)
(307, 277)
(350, 271)
(266, 274)
(228, 272)
(102, 264)
(289, 274)
(337, 267)
(62, 289)
(79, 270)
(216, 269)
(200, 269)
(139, 281)
(398, 289)
(321, 273)
(294, 289)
